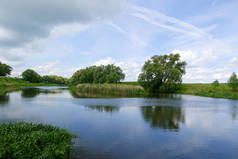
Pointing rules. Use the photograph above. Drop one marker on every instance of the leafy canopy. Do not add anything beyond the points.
(162, 73)
(233, 81)
(31, 76)
(54, 79)
(5, 69)
(98, 74)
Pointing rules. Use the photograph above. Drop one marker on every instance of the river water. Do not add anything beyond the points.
(170, 127)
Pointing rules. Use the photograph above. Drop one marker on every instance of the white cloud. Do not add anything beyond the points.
(106, 61)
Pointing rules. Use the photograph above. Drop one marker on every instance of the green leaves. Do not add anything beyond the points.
(31, 76)
(98, 74)
(27, 141)
(162, 73)
(5, 69)
(233, 82)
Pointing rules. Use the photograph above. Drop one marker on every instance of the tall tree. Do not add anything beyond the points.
(233, 81)
(162, 73)
(31, 76)
(5, 69)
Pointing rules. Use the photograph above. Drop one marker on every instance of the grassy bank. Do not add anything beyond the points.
(27, 141)
(207, 90)
(107, 90)
(8, 84)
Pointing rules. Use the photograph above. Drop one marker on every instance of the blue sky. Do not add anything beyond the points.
(60, 37)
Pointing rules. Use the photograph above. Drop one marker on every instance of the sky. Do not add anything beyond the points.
(59, 37)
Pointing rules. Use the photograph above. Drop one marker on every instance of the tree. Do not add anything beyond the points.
(31, 76)
(5, 69)
(215, 84)
(98, 74)
(54, 79)
(233, 81)
(162, 73)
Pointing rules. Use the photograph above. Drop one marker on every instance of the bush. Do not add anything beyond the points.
(98, 74)
(27, 141)
(31, 76)
(162, 73)
(5, 69)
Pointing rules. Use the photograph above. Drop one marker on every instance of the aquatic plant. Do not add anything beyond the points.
(28, 140)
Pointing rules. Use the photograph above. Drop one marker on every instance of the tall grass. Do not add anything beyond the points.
(27, 141)
(107, 90)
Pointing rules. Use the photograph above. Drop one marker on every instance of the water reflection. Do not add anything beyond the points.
(106, 109)
(167, 118)
(4, 99)
(34, 92)
(234, 112)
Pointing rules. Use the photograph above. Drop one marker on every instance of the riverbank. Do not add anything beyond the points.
(27, 140)
(8, 84)
(205, 90)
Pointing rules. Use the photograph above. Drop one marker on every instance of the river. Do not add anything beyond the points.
(170, 127)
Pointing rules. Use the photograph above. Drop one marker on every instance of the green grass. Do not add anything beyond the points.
(28, 141)
(207, 90)
(107, 90)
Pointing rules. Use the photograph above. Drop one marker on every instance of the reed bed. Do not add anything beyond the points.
(108, 90)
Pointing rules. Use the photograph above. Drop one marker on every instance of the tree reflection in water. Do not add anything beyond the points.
(167, 118)
(34, 92)
(107, 109)
(4, 99)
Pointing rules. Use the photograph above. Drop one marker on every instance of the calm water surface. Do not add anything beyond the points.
(175, 126)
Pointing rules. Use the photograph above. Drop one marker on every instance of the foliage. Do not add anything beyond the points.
(5, 69)
(54, 79)
(233, 82)
(215, 84)
(98, 74)
(162, 73)
(31, 76)
(27, 141)
(107, 90)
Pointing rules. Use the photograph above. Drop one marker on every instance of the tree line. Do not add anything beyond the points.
(161, 73)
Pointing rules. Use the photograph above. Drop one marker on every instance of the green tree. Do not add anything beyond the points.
(31, 76)
(162, 73)
(5, 69)
(215, 84)
(98, 74)
(233, 81)
(54, 79)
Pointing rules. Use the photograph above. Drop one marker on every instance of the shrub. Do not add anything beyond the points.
(27, 141)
